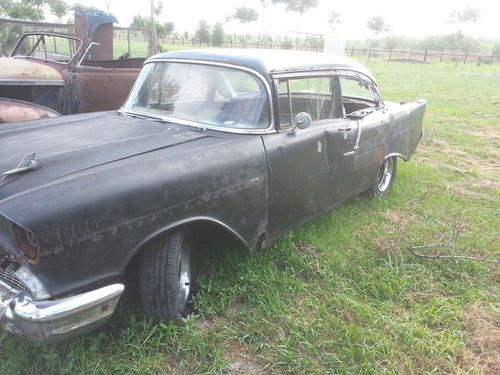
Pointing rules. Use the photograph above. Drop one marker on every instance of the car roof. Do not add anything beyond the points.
(269, 61)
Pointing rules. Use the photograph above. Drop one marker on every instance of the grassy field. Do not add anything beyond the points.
(342, 294)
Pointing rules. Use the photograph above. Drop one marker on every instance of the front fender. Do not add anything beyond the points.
(90, 224)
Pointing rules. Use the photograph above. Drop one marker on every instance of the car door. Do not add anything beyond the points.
(362, 104)
(99, 85)
(308, 168)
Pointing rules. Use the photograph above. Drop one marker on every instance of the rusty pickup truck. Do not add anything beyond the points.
(53, 73)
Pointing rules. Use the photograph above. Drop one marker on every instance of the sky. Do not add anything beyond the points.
(406, 18)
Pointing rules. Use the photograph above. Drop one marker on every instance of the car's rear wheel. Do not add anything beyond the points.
(384, 179)
(165, 276)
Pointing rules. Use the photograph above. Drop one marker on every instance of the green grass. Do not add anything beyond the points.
(341, 294)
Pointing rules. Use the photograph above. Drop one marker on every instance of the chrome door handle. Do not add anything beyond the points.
(346, 129)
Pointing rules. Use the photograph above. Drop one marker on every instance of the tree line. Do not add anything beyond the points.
(381, 32)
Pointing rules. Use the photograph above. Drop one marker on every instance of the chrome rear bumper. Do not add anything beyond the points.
(52, 320)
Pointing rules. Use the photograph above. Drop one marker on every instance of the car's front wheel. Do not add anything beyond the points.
(385, 178)
(165, 276)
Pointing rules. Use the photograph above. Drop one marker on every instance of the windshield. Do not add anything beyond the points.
(205, 94)
(46, 46)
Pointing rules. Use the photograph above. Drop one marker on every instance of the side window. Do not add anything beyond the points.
(357, 94)
(314, 95)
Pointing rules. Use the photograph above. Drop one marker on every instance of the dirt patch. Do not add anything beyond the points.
(398, 218)
(484, 133)
(243, 363)
(463, 162)
(484, 343)
(476, 189)
(387, 245)
(203, 324)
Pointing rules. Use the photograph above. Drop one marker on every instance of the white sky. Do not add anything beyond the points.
(408, 18)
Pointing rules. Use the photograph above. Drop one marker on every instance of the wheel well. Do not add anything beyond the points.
(208, 236)
(397, 155)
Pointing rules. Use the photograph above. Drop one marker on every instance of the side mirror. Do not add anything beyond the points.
(301, 120)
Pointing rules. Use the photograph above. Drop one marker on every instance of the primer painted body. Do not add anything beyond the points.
(110, 182)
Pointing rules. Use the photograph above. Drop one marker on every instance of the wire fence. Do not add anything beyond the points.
(135, 42)
(423, 56)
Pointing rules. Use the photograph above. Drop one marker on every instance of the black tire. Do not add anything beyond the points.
(162, 287)
(384, 179)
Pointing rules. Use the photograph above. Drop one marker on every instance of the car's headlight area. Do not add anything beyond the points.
(26, 242)
(8, 268)
(20, 277)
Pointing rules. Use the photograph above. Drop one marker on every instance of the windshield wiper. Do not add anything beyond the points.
(167, 119)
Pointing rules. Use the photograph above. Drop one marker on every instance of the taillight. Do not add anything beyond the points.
(26, 242)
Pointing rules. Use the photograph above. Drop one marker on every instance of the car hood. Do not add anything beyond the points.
(70, 144)
(20, 69)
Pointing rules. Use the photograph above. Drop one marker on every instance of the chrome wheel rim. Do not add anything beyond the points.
(385, 175)
(184, 277)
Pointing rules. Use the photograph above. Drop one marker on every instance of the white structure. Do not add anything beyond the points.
(334, 43)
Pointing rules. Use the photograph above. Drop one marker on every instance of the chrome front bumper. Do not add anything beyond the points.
(52, 320)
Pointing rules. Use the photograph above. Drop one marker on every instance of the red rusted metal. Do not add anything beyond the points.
(17, 110)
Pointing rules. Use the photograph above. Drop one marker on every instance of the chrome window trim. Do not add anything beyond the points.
(272, 125)
(79, 62)
(49, 34)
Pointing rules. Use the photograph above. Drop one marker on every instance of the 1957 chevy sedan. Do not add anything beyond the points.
(252, 142)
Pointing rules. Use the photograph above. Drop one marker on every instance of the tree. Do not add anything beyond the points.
(333, 18)
(245, 14)
(58, 8)
(83, 8)
(203, 32)
(460, 18)
(168, 28)
(468, 14)
(26, 10)
(298, 6)
(265, 5)
(377, 25)
(218, 34)
(496, 49)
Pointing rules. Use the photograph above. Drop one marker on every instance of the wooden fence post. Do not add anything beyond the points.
(352, 50)
(390, 54)
(411, 51)
(369, 55)
(491, 59)
(425, 56)
(466, 55)
(441, 58)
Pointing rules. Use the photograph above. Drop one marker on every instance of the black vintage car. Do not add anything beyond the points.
(252, 142)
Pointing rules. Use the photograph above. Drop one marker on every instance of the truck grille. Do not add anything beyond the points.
(8, 267)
